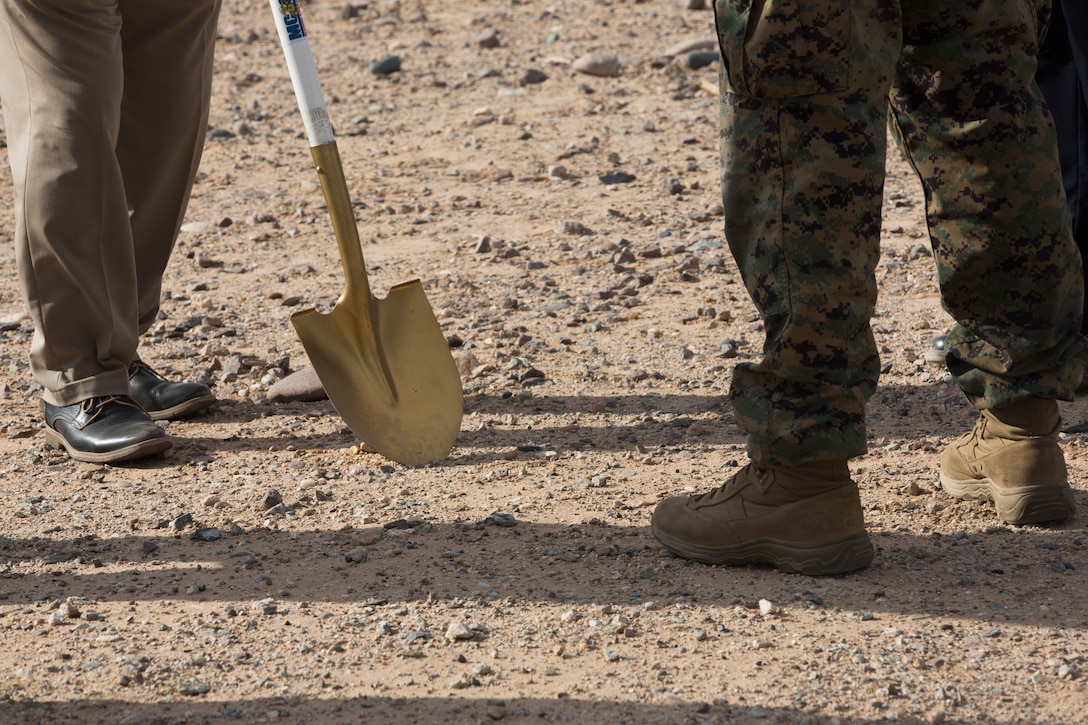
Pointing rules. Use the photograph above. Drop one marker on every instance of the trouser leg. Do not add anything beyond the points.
(61, 89)
(803, 142)
(168, 54)
(1063, 79)
(969, 117)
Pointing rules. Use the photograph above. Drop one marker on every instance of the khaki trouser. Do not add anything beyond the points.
(105, 103)
(807, 90)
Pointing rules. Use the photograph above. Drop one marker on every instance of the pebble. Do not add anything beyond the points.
(458, 631)
(210, 533)
(181, 522)
(386, 65)
(194, 688)
(356, 555)
(617, 177)
(558, 171)
(532, 77)
(502, 520)
(487, 39)
(574, 228)
(700, 58)
(597, 64)
(271, 499)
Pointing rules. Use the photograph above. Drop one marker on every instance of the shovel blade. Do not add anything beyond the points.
(388, 371)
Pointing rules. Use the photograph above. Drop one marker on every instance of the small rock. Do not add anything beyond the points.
(356, 555)
(487, 39)
(597, 64)
(532, 77)
(617, 177)
(194, 688)
(386, 65)
(302, 386)
(271, 499)
(466, 362)
(458, 631)
(573, 228)
(700, 58)
(501, 519)
(210, 533)
(181, 522)
(558, 171)
(266, 607)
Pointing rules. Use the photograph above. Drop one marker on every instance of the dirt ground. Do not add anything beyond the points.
(596, 323)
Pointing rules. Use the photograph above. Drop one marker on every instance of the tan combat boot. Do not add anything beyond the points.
(804, 519)
(1012, 458)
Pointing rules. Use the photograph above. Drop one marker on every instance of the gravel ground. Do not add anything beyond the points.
(566, 227)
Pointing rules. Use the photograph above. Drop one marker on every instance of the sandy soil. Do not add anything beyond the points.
(597, 323)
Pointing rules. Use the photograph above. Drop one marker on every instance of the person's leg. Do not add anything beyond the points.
(168, 57)
(969, 117)
(168, 54)
(803, 142)
(1076, 20)
(61, 88)
(1062, 77)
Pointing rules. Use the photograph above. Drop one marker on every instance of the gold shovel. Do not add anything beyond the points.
(384, 363)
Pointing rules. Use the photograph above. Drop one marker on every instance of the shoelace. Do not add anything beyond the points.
(93, 407)
(139, 366)
(732, 482)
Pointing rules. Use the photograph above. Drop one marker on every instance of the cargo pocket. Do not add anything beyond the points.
(785, 48)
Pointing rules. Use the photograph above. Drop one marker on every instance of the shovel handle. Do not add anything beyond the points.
(315, 116)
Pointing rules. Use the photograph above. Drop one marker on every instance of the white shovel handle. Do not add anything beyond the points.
(300, 63)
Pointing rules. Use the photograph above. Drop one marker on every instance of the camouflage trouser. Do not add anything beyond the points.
(807, 89)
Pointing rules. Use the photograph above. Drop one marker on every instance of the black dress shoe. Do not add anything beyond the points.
(107, 429)
(162, 399)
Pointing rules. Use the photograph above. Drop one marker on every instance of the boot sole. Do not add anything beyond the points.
(813, 559)
(143, 449)
(183, 409)
(1020, 505)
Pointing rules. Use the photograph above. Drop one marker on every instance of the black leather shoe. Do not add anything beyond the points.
(162, 399)
(106, 429)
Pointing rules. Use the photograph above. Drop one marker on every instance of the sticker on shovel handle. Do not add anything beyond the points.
(292, 20)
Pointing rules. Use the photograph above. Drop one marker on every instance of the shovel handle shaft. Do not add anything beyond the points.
(331, 173)
(300, 63)
(315, 115)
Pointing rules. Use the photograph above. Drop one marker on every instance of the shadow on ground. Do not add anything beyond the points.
(970, 576)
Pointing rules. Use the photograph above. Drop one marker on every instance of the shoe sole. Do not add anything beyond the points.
(183, 409)
(1020, 505)
(143, 449)
(822, 559)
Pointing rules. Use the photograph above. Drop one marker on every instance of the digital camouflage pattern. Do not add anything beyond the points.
(809, 88)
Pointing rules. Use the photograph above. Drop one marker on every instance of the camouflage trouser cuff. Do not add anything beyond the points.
(794, 423)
